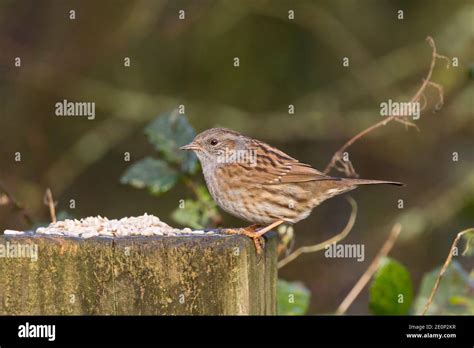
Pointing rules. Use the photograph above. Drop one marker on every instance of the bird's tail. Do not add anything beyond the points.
(372, 182)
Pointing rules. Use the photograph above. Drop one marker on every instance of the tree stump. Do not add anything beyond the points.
(160, 275)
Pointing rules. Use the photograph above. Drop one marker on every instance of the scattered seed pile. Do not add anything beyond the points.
(145, 225)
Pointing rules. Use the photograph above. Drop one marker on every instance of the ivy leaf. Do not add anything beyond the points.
(391, 291)
(293, 298)
(155, 175)
(168, 133)
(455, 285)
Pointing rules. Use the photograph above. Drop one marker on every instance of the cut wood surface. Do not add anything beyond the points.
(172, 275)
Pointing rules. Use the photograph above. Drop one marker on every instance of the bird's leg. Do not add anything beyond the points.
(258, 239)
(251, 232)
(269, 227)
(247, 231)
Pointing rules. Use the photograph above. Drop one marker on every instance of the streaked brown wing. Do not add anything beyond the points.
(276, 167)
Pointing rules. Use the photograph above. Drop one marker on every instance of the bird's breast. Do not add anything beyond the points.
(257, 203)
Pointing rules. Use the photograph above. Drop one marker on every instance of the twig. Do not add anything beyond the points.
(49, 201)
(444, 268)
(18, 206)
(364, 279)
(320, 246)
(419, 95)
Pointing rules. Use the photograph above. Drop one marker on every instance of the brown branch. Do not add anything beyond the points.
(18, 206)
(444, 268)
(49, 201)
(364, 279)
(424, 102)
(440, 89)
(419, 95)
(317, 247)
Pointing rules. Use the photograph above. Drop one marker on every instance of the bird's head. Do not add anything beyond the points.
(213, 145)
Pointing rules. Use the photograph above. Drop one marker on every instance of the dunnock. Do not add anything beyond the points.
(261, 184)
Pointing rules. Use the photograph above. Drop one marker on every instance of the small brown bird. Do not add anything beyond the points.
(261, 184)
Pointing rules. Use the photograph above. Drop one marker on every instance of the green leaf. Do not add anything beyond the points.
(196, 213)
(391, 291)
(203, 195)
(63, 215)
(469, 239)
(152, 174)
(190, 215)
(168, 133)
(293, 298)
(466, 302)
(455, 285)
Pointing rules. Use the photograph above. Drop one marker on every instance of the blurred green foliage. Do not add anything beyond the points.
(293, 298)
(391, 291)
(197, 213)
(454, 294)
(468, 238)
(150, 173)
(167, 133)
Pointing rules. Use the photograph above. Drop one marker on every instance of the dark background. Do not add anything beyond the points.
(282, 62)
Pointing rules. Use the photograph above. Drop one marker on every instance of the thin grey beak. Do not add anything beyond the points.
(190, 147)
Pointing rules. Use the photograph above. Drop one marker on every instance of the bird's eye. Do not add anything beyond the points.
(214, 142)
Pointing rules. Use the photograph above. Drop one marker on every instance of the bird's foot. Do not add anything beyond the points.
(251, 232)
(257, 236)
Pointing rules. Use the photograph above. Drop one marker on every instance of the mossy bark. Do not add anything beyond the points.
(211, 274)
